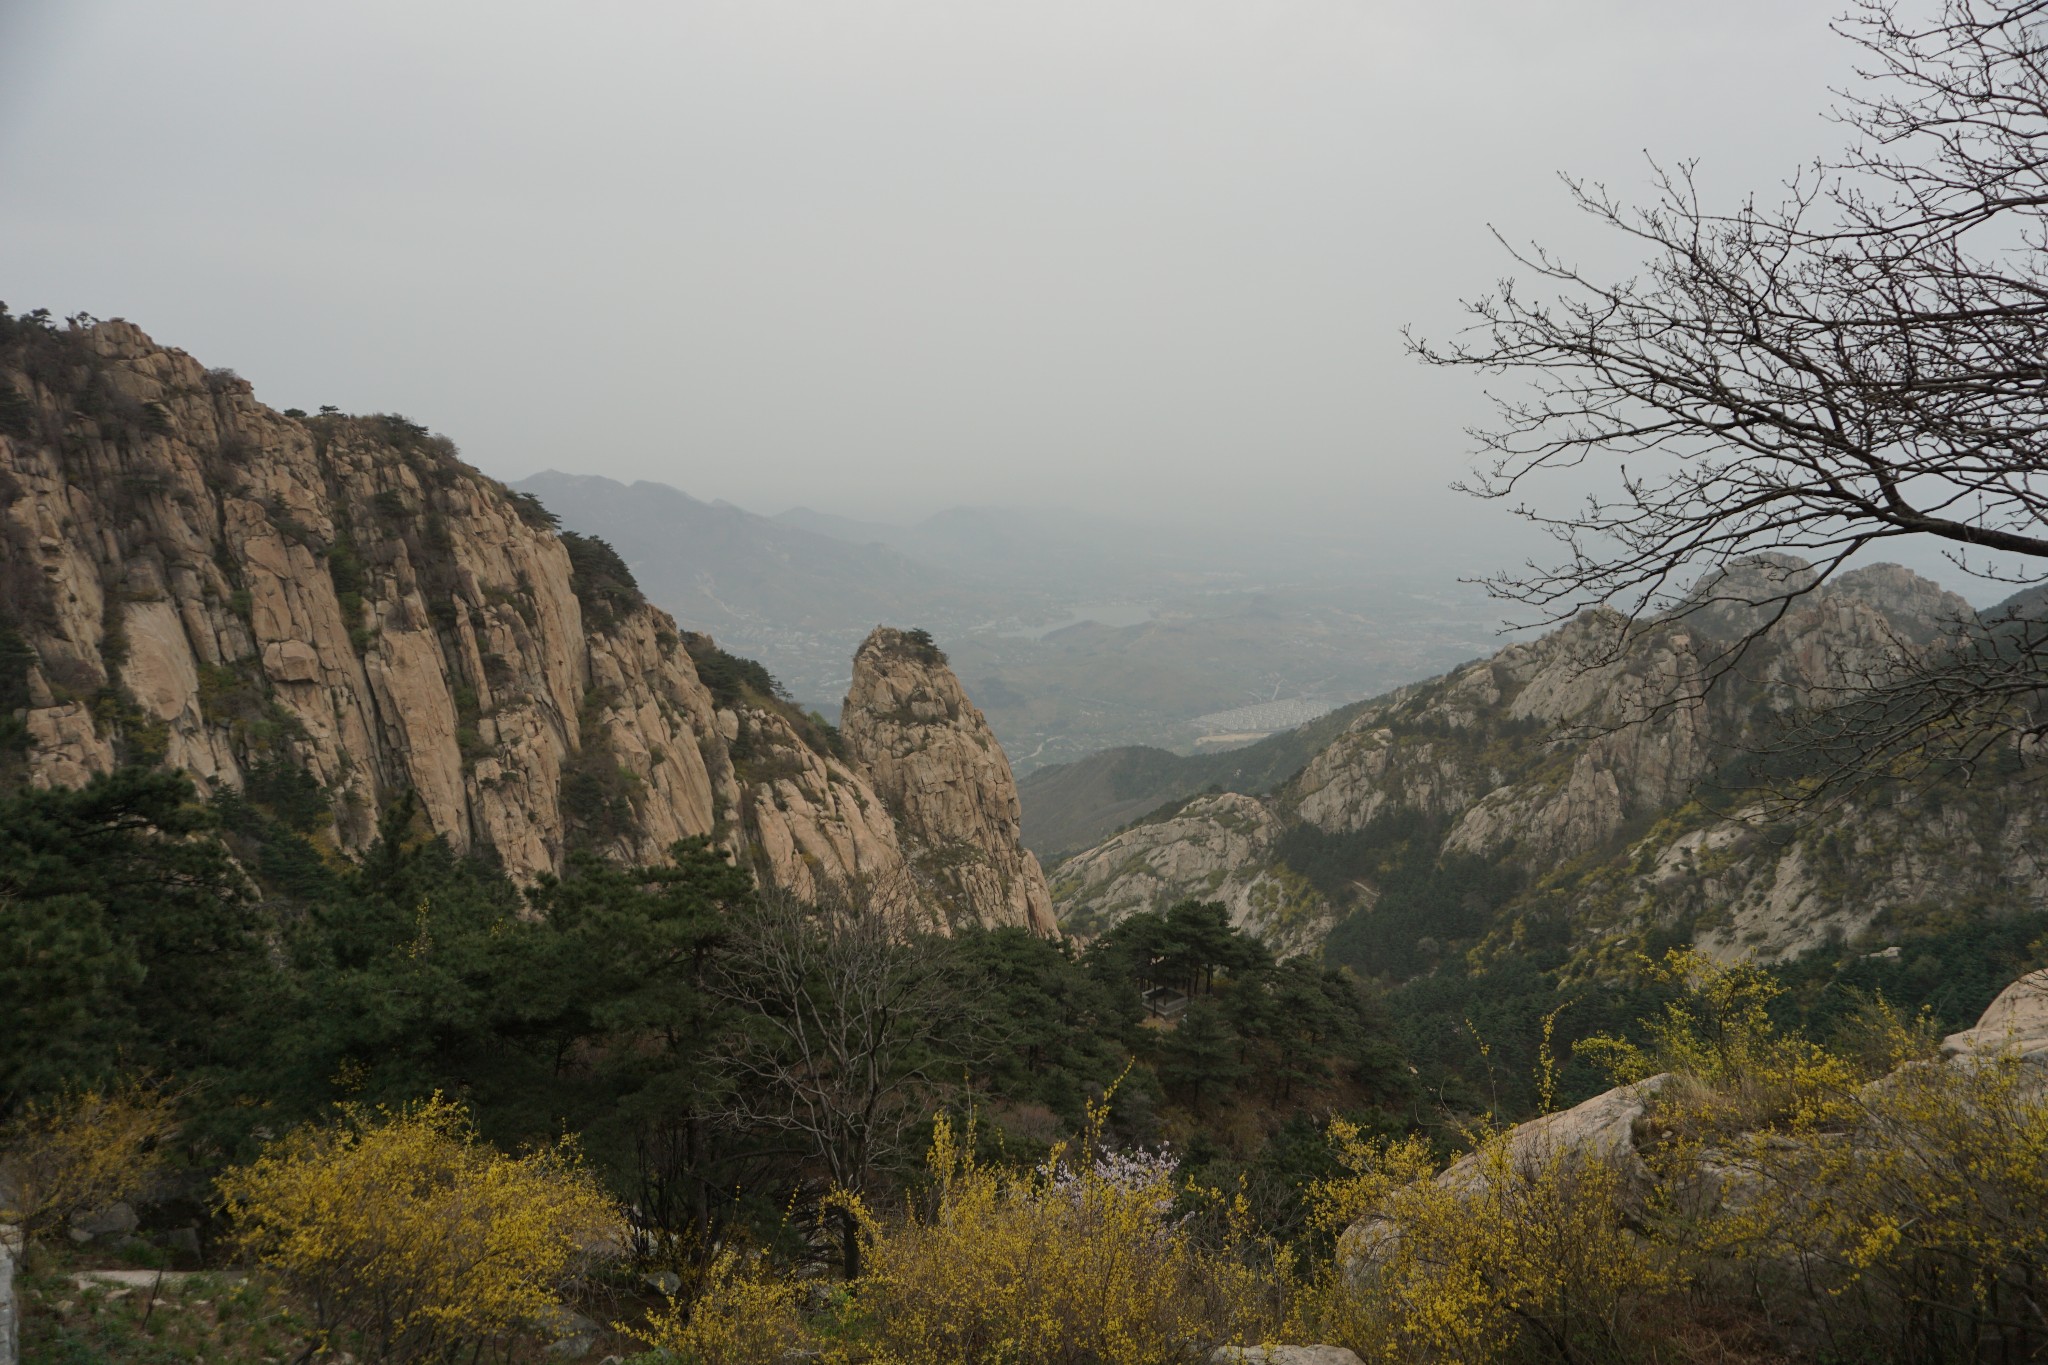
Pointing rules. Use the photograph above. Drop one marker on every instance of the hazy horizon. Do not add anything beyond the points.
(902, 254)
(878, 260)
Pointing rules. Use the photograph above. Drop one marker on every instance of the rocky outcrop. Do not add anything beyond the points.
(188, 577)
(815, 822)
(1216, 847)
(1607, 1128)
(1575, 760)
(2015, 1022)
(1602, 1130)
(227, 588)
(932, 758)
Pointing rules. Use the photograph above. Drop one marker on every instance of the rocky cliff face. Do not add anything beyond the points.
(1217, 847)
(191, 578)
(1581, 773)
(933, 759)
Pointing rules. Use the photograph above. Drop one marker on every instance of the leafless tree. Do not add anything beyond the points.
(850, 1032)
(1864, 360)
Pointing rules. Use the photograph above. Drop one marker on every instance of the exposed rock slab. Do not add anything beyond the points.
(2016, 1021)
(1601, 1130)
(210, 584)
(930, 755)
(1284, 1355)
(1214, 848)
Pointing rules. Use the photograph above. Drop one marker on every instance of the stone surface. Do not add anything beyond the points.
(115, 1220)
(10, 1310)
(1284, 1355)
(1214, 848)
(1602, 1129)
(931, 757)
(2017, 1020)
(345, 595)
(570, 1335)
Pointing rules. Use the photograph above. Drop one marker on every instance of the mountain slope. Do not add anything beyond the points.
(1069, 806)
(719, 566)
(1539, 796)
(338, 607)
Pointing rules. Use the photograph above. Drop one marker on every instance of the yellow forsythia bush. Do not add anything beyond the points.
(1527, 1253)
(1079, 1260)
(404, 1234)
(1914, 1228)
(742, 1315)
(80, 1150)
(1738, 1071)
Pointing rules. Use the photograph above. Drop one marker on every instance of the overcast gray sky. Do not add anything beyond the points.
(875, 256)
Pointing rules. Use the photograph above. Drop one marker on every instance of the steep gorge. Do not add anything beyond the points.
(337, 609)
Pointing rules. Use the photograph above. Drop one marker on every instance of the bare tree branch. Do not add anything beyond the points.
(1865, 360)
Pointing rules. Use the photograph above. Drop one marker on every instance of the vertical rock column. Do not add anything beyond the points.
(930, 755)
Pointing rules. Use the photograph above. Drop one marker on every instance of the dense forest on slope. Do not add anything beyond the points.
(278, 981)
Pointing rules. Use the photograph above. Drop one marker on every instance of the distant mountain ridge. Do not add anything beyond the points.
(1536, 798)
(717, 565)
(1161, 625)
(1069, 806)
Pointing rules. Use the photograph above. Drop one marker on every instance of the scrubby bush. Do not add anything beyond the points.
(1738, 1070)
(1905, 1218)
(1081, 1259)
(743, 1314)
(80, 1150)
(1517, 1253)
(730, 678)
(601, 580)
(405, 1236)
(1931, 1225)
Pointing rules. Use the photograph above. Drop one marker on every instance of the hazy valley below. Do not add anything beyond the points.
(1074, 634)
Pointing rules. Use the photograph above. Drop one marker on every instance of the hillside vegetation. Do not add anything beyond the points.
(1070, 806)
(1505, 840)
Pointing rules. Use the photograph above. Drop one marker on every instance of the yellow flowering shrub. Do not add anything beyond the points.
(1942, 1207)
(403, 1233)
(1921, 1231)
(741, 1315)
(81, 1150)
(1080, 1260)
(1513, 1255)
(1904, 1216)
(1738, 1072)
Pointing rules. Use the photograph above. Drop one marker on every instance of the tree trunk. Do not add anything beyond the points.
(849, 1241)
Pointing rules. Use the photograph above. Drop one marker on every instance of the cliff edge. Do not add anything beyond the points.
(333, 610)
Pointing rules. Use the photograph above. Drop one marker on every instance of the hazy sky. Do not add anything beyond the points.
(876, 256)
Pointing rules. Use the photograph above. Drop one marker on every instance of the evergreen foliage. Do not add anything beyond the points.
(601, 581)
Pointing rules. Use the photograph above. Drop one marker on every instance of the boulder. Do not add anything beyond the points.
(569, 1334)
(114, 1221)
(1602, 1129)
(2016, 1020)
(1284, 1355)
